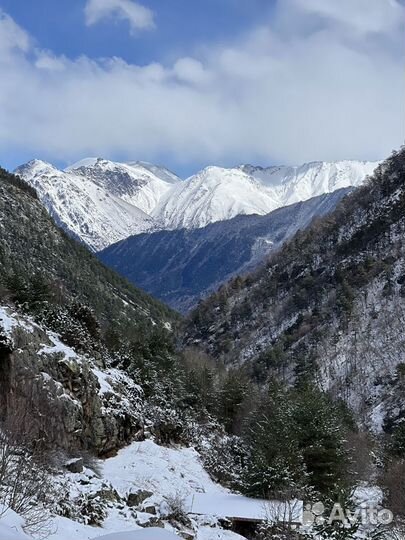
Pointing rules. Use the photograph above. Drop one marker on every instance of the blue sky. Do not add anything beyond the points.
(181, 26)
(188, 83)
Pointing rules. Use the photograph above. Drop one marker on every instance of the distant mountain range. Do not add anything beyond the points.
(217, 194)
(101, 202)
(182, 266)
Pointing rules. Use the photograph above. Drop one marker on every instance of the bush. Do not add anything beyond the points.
(224, 457)
(177, 508)
(25, 483)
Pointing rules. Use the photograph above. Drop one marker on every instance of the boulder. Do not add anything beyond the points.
(75, 465)
(135, 498)
(150, 509)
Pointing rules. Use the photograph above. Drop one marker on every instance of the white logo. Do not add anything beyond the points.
(314, 514)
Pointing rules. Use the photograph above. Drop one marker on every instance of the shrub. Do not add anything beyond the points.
(25, 483)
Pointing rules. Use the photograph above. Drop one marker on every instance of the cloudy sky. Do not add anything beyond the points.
(190, 83)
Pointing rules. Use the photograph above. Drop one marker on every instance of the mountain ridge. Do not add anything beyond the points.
(90, 198)
(182, 266)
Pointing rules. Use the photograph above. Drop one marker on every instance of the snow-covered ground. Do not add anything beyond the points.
(228, 505)
(164, 472)
(154, 533)
(11, 526)
(168, 471)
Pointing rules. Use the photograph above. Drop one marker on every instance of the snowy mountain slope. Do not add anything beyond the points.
(214, 194)
(110, 401)
(138, 183)
(89, 211)
(77, 398)
(293, 184)
(161, 172)
(217, 194)
(142, 466)
(101, 202)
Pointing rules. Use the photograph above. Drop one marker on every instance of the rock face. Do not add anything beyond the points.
(61, 398)
(135, 498)
(75, 465)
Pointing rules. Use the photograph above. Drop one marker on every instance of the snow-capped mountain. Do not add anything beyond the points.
(97, 201)
(138, 183)
(101, 202)
(216, 194)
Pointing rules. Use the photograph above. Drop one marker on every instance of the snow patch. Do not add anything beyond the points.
(58, 347)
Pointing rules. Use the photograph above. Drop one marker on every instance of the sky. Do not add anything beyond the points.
(191, 83)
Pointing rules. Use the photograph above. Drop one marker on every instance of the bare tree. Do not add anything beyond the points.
(177, 508)
(25, 484)
(283, 518)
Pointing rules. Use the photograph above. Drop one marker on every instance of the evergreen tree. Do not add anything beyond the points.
(335, 524)
(321, 438)
(86, 317)
(18, 286)
(233, 391)
(276, 464)
(296, 441)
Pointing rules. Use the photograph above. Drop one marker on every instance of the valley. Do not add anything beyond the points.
(202, 270)
(271, 386)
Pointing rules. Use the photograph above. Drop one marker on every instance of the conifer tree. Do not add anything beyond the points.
(276, 463)
(321, 438)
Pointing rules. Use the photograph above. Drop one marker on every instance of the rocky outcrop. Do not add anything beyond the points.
(61, 398)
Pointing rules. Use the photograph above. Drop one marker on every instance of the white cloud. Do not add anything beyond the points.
(190, 70)
(289, 91)
(138, 16)
(48, 61)
(365, 16)
(12, 36)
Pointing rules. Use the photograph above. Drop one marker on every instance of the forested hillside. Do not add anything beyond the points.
(66, 316)
(36, 254)
(329, 306)
(182, 266)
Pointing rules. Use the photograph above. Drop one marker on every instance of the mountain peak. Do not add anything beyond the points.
(35, 164)
(85, 162)
(35, 170)
(84, 205)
